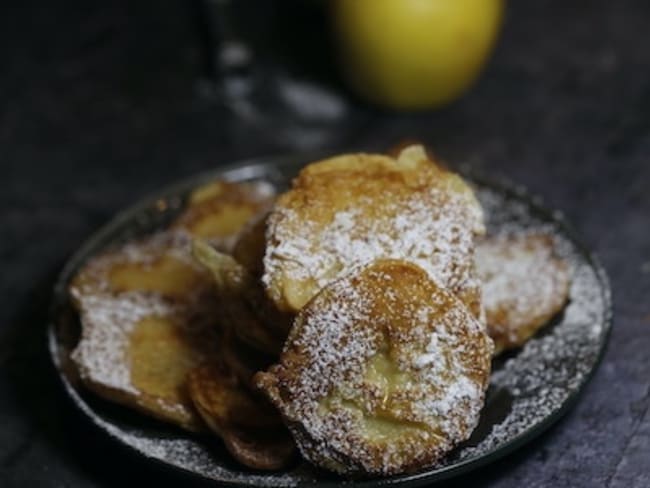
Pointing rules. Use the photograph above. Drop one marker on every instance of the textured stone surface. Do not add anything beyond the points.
(100, 103)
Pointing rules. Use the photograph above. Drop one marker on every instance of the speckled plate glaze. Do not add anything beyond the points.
(530, 388)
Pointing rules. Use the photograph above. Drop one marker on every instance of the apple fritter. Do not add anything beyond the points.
(524, 285)
(350, 210)
(383, 372)
(218, 211)
(148, 317)
(250, 427)
(242, 300)
(147, 309)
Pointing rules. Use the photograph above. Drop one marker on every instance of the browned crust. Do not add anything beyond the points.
(351, 209)
(251, 429)
(388, 306)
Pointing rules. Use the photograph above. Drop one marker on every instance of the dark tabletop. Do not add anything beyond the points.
(101, 102)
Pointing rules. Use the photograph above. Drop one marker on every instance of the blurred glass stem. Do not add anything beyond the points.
(230, 57)
(233, 55)
(253, 74)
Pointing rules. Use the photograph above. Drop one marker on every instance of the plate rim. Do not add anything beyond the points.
(249, 168)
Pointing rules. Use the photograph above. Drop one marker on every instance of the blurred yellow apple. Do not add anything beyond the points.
(412, 54)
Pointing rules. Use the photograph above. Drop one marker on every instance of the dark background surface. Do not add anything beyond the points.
(101, 102)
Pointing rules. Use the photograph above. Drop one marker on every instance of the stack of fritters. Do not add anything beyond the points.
(152, 335)
(351, 310)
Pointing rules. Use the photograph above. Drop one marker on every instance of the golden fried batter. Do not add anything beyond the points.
(241, 299)
(147, 310)
(148, 317)
(350, 210)
(250, 427)
(524, 285)
(249, 252)
(250, 246)
(383, 372)
(219, 210)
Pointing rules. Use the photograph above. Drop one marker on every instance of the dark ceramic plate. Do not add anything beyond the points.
(530, 389)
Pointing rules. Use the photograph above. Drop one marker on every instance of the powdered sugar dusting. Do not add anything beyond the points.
(549, 369)
(336, 380)
(432, 355)
(335, 341)
(102, 352)
(432, 243)
(448, 373)
(193, 457)
(512, 271)
(537, 381)
(524, 283)
(432, 227)
(109, 316)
